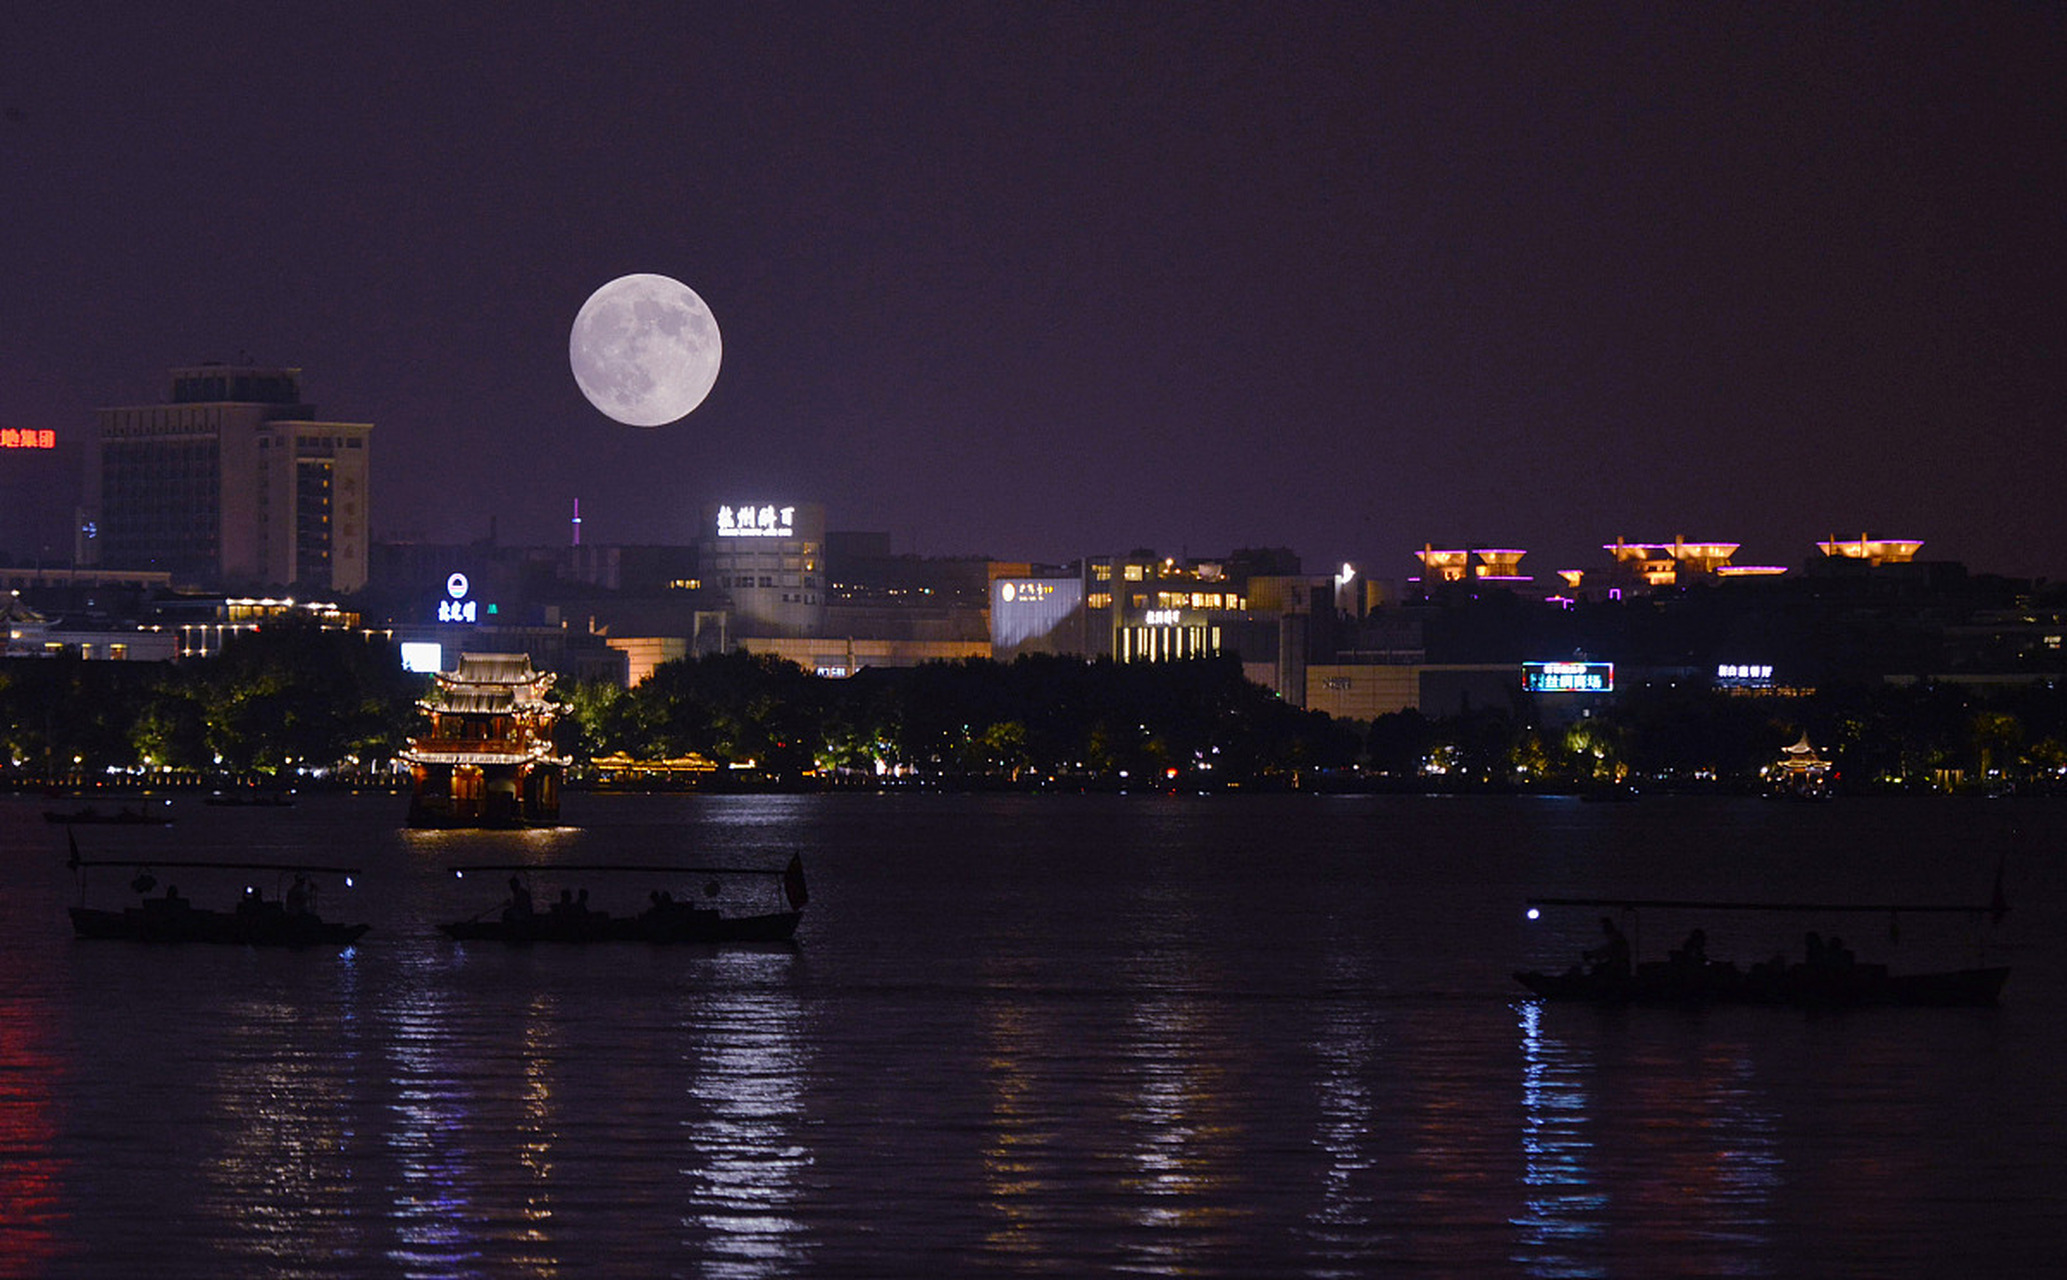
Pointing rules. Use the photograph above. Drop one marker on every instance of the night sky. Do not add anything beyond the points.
(1040, 281)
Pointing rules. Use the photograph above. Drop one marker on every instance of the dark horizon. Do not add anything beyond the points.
(1038, 283)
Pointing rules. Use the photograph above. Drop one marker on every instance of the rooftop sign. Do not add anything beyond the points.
(10, 438)
(757, 522)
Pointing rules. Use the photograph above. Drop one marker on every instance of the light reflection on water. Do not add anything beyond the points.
(426, 1132)
(1562, 1211)
(1059, 1036)
(32, 1174)
(745, 1146)
(1343, 1221)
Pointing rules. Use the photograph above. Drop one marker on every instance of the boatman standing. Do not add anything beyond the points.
(1611, 957)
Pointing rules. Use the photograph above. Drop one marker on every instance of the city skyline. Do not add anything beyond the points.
(1037, 283)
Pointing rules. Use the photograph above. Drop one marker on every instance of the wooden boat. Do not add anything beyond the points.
(92, 816)
(1828, 978)
(1664, 983)
(289, 919)
(755, 917)
(250, 799)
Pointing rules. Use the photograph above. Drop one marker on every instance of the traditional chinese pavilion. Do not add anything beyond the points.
(1801, 772)
(487, 757)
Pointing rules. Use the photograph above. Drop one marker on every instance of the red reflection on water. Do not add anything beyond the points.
(31, 1182)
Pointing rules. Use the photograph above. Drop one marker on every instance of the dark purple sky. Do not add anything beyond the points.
(1045, 280)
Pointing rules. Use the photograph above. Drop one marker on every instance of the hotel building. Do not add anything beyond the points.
(232, 482)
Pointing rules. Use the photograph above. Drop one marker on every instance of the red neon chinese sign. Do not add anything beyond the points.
(13, 439)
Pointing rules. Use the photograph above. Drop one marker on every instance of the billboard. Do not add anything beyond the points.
(1568, 677)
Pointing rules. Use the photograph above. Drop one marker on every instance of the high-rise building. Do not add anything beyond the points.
(767, 561)
(232, 482)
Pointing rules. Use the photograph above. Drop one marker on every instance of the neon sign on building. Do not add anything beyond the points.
(11, 438)
(1027, 592)
(1568, 677)
(757, 522)
(458, 608)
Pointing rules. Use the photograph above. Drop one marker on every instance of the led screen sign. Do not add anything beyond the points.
(1568, 677)
(10, 438)
(757, 522)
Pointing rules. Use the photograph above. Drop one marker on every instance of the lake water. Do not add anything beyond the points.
(1061, 1035)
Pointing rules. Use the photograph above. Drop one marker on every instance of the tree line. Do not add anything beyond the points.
(298, 699)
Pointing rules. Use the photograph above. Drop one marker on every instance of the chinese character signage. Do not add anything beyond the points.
(1568, 677)
(1753, 675)
(1024, 592)
(10, 438)
(756, 522)
(456, 607)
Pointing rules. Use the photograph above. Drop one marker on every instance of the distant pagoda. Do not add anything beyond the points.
(487, 758)
(1801, 772)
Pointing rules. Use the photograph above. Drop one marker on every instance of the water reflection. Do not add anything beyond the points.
(1710, 1145)
(1341, 1222)
(747, 1056)
(281, 1102)
(538, 1130)
(1019, 1136)
(1661, 1127)
(1180, 1139)
(31, 1177)
(429, 1208)
(1562, 1205)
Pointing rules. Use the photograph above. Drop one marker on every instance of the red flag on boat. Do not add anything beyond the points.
(793, 882)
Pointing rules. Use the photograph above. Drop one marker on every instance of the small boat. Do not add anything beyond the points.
(1609, 793)
(126, 816)
(1662, 982)
(755, 916)
(250, 799)
(1829, 977)
(288, 919)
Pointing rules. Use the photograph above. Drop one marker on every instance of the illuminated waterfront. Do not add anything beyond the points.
(1063, 1035)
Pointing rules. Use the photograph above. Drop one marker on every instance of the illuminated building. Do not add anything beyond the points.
(486, 758)
(1148, 609)
(1800, 772)
(232, 481)
(1475, 564)
(1038, 614)
(37, 491)
(1874, 551)
(1675, 563)
(766, 559)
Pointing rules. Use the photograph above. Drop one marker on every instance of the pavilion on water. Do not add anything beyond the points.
(486, 759)
(1801, 772)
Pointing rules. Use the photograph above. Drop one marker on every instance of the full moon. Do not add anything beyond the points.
(644, 350)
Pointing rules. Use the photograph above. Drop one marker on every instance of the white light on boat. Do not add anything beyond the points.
(1534, 914)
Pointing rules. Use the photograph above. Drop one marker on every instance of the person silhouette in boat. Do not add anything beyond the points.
(298, 895)
(1693, 953)
(1611, 958)
(520, 901)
